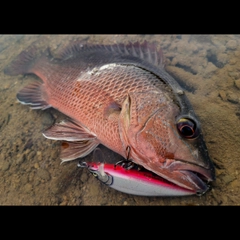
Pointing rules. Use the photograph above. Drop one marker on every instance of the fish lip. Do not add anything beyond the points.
(200, 185)
(207, 173)
(195, 177)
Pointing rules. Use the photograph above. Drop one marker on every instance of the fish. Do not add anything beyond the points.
(120, 96)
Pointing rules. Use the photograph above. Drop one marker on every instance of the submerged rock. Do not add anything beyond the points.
(44, 174)
(231, 44)
(232, 97)
(237, 83)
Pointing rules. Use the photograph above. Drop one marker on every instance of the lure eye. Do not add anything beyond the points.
(187, 128)
(94, 174)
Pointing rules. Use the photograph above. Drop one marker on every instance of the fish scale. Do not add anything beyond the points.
(92, 95)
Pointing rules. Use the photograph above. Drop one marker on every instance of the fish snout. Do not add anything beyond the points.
(189, 175)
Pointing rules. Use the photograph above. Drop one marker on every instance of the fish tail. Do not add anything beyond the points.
(26, 61)
(33, 95)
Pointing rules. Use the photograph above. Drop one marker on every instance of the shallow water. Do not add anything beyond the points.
(30, 172)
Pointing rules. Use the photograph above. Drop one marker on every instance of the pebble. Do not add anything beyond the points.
(64, 203)
(36, 165)
(237, 83)
(47, 119)
(5, 166)
(39, 156)
(36, 182)
(94, 190)
(222, 58)
(140, 200)
(84, 177)
(31, 155)
(54, 154)
(20, 159)
(237, 54)
(2, 57)
(39, 153)
(19, 141)
(5, 86)
(234, 75)
(224, 199)
(28, 188)
(231, 44)
(31, 176)
(210, 69)
(228, 178)
(235, 184)
(44, 174)
(223, 95)
(2, 156)
(232, 97)
(24, 179)
(232, 61)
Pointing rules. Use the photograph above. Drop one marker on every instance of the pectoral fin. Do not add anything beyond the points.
(78, 141)
(68, 130)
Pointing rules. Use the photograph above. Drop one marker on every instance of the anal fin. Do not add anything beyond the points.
(32, 95)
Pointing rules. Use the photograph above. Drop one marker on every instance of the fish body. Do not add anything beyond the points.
(119, 96)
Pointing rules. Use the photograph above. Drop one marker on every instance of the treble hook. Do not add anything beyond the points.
(126, 163)
(82, 164)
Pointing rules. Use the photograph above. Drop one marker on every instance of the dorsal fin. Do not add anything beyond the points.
(144, 55)
(134, 52)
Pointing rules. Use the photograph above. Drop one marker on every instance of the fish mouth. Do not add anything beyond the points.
(188, 175)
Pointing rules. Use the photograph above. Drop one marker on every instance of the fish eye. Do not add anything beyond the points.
(187, 128)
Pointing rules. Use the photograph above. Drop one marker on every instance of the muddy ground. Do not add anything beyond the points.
(30, 171)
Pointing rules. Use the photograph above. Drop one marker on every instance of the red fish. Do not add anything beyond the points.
(120, 96)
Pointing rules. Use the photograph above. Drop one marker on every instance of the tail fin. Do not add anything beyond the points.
(33, 95)
(25, 61)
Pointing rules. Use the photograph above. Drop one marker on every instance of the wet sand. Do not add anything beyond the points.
(30, 171)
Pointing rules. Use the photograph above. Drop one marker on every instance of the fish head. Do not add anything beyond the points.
(163, 140)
